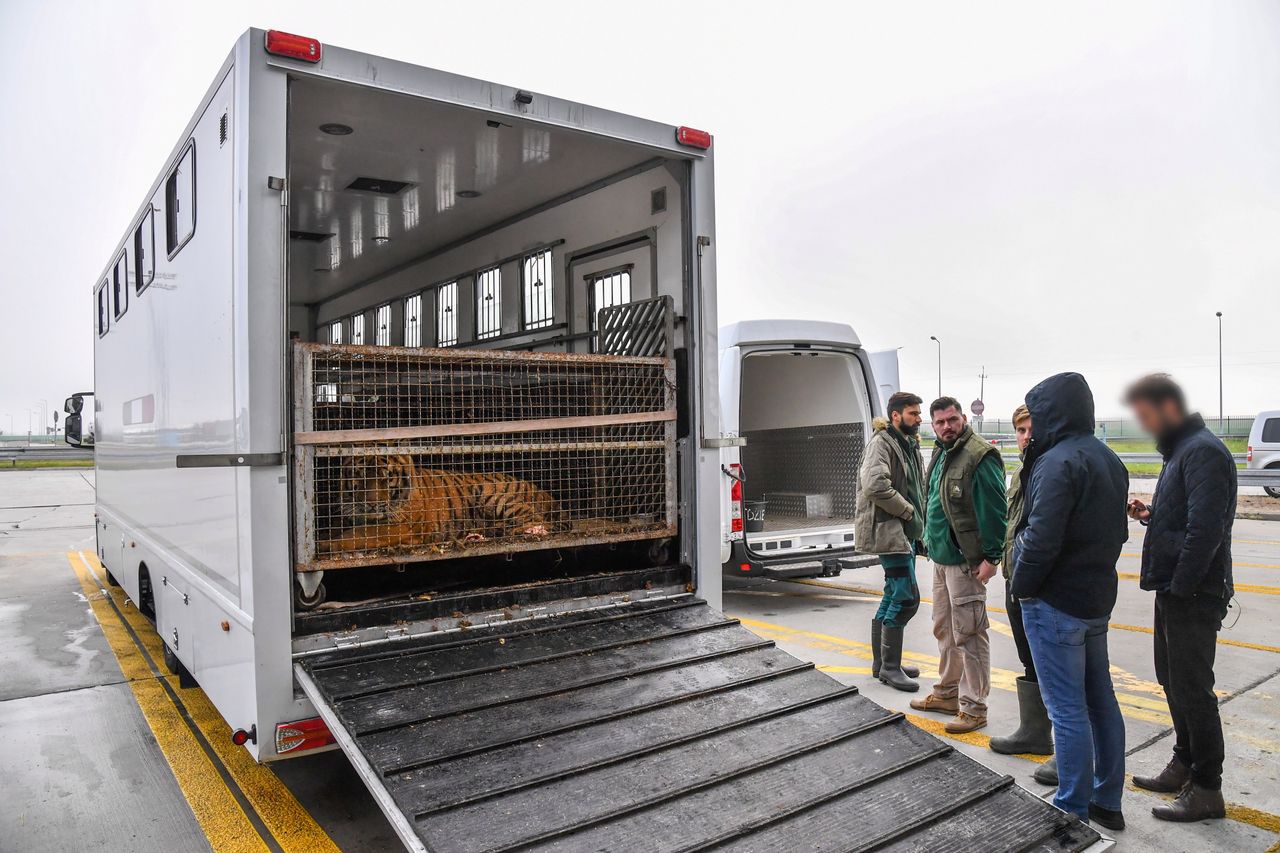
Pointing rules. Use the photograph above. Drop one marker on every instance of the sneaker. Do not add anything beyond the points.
(964, 723)
(937, 704)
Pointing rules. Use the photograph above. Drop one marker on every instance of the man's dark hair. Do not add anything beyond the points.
(900, 400)
(944, 403)
(1156, 389)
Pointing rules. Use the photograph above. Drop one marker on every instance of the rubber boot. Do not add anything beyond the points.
(1047, 773)
(891, 661)
(1196, 802)
(1035, 734)
(907, 670)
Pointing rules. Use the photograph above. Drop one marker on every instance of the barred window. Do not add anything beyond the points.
(412, 323)
(489, 303)
(382, 325)
(609, 288)
(335, 332)
(357, 328)
(535, 274)
(447, 314)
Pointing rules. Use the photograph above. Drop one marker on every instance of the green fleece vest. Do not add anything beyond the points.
(962, 460)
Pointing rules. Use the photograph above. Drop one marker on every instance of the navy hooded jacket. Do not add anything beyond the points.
(1073, 523)
(1188, 546)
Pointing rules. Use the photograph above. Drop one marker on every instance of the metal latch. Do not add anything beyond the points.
(175, 639)
(724, 441)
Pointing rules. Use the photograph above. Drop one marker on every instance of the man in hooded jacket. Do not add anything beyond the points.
(1072, 530)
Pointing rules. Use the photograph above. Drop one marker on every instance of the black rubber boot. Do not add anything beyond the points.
(1047, 773)
(1196, 802)
(1035, 734)
(1112, 819)
(891, 661)
(1170, 780)
(876, 625)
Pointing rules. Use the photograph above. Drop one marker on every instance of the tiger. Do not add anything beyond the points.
(388, 502)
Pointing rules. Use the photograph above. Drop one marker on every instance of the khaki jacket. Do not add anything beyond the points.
(883, 505)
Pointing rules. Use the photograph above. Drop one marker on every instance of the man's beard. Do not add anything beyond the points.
(908, 430)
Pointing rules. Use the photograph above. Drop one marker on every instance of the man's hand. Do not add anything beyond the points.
(986, 571)
(1139, 511)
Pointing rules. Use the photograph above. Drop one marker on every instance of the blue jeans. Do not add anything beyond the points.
(1075, 680)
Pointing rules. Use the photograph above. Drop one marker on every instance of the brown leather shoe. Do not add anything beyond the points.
(1170, 780)
(937, 705)
(964, 723)
(1193, 804)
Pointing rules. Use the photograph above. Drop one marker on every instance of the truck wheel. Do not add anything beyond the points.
(306, 602)
(175, 666)
(111, 579)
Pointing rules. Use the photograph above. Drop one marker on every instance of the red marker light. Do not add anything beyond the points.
(746, 567)
(302, 735)
(294, 47)
(693, 138)
(240, 737)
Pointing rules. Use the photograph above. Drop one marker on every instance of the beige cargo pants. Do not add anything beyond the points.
(964, 649)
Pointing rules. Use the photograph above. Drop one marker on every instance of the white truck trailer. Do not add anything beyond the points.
(407, 439)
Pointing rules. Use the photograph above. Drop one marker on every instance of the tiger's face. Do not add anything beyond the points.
(373, 487)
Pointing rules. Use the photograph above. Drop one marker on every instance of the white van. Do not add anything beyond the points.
(799, 397)
(1264, 445)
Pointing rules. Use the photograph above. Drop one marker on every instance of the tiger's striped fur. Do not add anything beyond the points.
(389, 502)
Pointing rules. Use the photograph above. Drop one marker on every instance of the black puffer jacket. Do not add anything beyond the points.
(1073, 524)
(1188, 546)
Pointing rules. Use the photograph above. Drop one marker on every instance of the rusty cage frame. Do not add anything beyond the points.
(596, 432)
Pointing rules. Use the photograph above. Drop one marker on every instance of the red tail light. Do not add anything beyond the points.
(294, 47)
(302, 735)
(1248, 455)
(693, 138)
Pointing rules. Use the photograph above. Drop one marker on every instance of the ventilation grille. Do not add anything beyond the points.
(642, 328)
(223, 128)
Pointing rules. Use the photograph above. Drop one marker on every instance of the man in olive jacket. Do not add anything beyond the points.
(888, 522)
(964, 532)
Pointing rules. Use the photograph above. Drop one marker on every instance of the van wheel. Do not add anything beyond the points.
(175, 666)
(308, 602)
(146, 596)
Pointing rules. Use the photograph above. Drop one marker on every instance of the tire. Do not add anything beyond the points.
(175, 666)
(111, 579)
(1274, 491)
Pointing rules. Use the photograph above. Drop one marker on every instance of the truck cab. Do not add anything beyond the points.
(799, 397)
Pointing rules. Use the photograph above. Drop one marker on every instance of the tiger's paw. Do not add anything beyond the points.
(536, 530)
(474, 537)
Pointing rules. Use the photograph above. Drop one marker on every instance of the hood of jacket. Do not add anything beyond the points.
(878, 423)
(1060, 406)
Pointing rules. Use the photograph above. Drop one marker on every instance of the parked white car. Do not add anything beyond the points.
(1264, 445)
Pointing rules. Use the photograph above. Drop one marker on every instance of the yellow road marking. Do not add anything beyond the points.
(1236, 564)
(289, 823)
(845, 670)
(1260, 647)
(938, 728)
(1265, 821)
(1133, 706)
(1239, 587)
(215, 808)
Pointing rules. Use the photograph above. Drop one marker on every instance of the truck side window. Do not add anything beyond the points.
(447, 314)
(144, 251)
(382, 325)
(180, 201)
(335, 332)
(535, 274)
(357, 327)
(120, 284)
(104, 310)
(413, 320)
(489, 303)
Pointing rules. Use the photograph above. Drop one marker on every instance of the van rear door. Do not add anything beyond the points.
(659, 725)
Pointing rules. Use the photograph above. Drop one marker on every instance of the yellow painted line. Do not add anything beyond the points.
(1133, 706)
(292, 826)
(1235, 564)
(1239, 587)
(220, 816)
(1142, 629)
(845, 670)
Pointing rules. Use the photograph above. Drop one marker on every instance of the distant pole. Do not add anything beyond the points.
(1221, 408)
(934, 338)
(982, 384)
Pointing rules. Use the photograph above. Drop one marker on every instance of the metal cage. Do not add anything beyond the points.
(405, 454)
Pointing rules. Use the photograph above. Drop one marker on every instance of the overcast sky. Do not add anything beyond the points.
(1044, 186)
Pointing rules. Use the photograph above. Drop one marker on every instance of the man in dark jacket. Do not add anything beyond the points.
(1064, 577)
(1186, 561)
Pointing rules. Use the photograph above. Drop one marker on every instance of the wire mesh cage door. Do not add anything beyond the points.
(408, 454)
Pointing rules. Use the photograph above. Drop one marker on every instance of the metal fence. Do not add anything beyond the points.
(406, 454)
(1115, 428)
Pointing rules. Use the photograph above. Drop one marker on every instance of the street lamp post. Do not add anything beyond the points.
(1221, 409)
(934, 338)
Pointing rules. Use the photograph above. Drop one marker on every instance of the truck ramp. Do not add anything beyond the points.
(656, 726)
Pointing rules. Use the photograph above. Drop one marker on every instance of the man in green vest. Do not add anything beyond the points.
(965, 518)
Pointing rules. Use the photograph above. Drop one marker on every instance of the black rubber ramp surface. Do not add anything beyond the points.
(661, 726)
